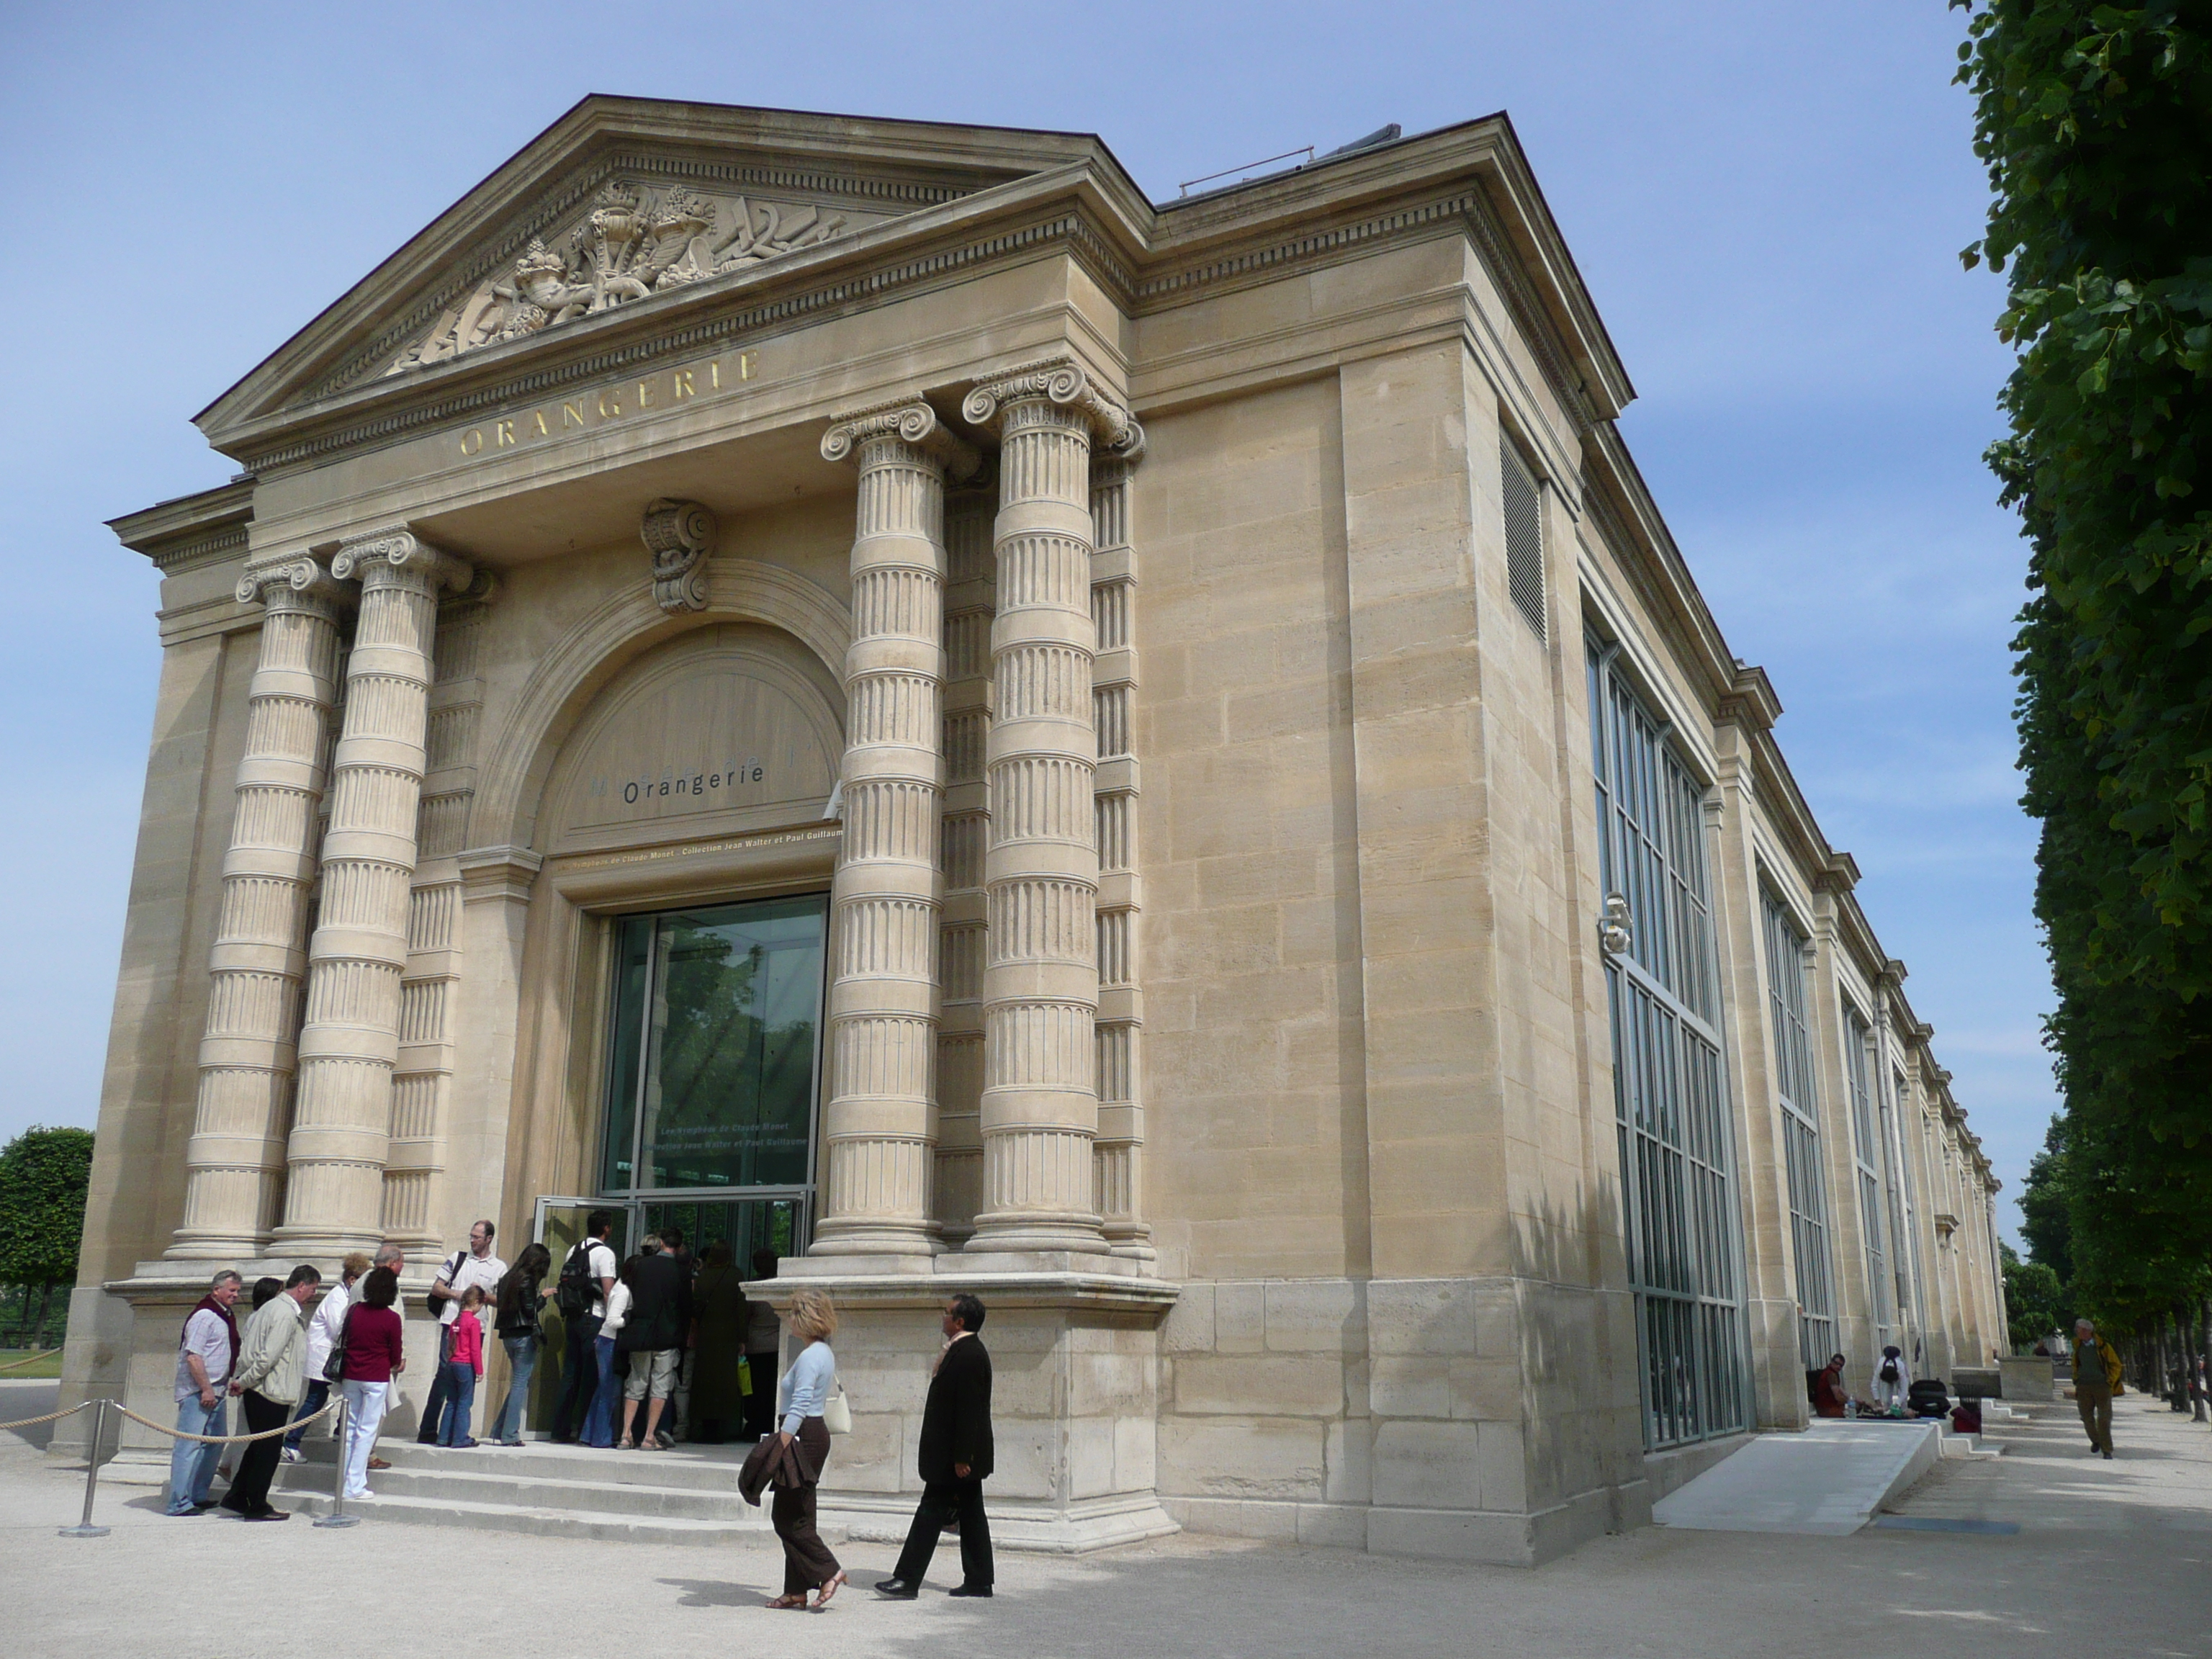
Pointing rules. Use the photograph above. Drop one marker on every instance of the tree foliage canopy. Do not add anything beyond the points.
(2095, 123)
(44, 1174)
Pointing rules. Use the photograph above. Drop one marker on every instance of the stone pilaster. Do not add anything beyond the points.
(422, 1084)
(1040, 1107)
(880, 1132)
(962, 934)
(350, 1045)
(234, 1162)
(1120, 1153)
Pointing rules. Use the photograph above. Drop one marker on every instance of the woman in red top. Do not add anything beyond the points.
(375, 1354)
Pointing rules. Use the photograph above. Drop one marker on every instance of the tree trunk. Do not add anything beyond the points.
(45, 1302)
(2203, 1356)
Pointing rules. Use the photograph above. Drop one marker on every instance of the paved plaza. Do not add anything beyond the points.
(2111, 1557)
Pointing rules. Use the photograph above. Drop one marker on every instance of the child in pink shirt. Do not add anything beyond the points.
(464, 1365)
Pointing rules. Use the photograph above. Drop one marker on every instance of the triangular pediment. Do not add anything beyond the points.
(625, 202)
(633, 239)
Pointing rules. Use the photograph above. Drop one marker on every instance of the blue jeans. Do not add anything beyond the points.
(522, 1365)
(312, 1399)
(600, 1426)
(192, 1465)
(460, 1380)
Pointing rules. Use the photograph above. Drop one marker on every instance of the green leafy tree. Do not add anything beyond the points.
(2035, 1300)
(44, 1174)
(2095, 122)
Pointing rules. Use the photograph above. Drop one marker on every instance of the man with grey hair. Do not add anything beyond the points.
(2096, 1379)
(207, 1354)
(388, 1255)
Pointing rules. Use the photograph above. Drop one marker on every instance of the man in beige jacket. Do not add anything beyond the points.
(268, 1382)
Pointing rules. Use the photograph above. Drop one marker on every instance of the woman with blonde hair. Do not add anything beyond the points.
(800, 1398)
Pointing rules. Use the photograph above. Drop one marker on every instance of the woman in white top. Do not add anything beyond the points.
(801, 1397)
(600, 1421)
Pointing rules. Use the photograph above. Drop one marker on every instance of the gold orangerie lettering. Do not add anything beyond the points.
(509, 432)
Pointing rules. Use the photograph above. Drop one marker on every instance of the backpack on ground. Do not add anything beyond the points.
(576, 1290)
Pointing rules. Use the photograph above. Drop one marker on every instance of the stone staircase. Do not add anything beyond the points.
(686, 1496)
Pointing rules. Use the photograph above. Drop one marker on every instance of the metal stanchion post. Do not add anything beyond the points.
(338, 1516)
(84, 1528)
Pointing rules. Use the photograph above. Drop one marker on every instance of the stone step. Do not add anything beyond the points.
(702, 1468)
(564, 1523)
(477, 1486)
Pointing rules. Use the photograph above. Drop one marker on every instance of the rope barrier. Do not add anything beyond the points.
(18, 1365)
(217, 1439)
(50, 1417)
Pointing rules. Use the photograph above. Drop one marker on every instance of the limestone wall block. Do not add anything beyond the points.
(1421, 1316)
(1315, 1316)
(1240, 1317)
(1188, 1327)
(1242, 1457)
(1290, 1385)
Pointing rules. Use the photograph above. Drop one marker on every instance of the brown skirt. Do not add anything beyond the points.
(807, 1563)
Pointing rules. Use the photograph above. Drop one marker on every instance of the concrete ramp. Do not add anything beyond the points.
(1831, 1478)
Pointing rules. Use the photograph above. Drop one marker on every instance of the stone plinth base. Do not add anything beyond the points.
(1075, 1397)
(2024, 1376)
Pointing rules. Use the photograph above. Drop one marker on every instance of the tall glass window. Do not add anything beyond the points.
(1670, 1094)
(1867, 1154)
(715, 1049)
(1801, 1135)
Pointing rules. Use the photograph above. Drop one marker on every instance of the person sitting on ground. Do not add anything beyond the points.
(652, 1336)
(267, 1384)
(1829, 1399)
(322, 1335)
(1891, 1378)
(463, 1370)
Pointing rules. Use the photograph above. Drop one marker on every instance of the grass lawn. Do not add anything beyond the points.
(12, 1368)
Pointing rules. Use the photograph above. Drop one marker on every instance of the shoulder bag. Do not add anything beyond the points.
(837, 1412)
(435, 1303)
(334, 1367)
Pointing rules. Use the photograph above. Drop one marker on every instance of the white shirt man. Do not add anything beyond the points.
(475, 1266)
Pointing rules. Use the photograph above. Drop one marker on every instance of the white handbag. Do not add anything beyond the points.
(838, 1413)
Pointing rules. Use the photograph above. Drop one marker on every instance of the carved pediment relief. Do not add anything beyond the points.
(634, 240)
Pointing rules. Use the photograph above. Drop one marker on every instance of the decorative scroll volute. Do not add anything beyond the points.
(680, 536)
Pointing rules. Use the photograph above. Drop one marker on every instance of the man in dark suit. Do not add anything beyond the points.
(955, 1459)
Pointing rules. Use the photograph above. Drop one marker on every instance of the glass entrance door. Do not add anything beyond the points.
(559, 1226)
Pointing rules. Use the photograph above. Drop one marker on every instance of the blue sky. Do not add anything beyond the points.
(1766, 202)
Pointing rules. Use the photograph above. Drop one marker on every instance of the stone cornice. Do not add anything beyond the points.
(191, 530)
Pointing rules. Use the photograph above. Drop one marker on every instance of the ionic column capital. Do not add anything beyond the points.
(912, 423)
(1059, 379)
(301, 584)
(400, 549)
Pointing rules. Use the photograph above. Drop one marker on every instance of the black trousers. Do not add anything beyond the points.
(579, 1378)
(940, 1501)
(807, 1563)
(257, 1467)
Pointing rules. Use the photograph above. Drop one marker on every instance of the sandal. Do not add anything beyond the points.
(788, 1602)
(828, 1589)
(625, 1444)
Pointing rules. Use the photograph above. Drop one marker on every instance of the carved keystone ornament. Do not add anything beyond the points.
(680, 535)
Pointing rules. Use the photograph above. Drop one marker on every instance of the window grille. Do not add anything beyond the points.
(1524, 534)
(1801, 1135)
(1858, 1058)
(1670, 1094)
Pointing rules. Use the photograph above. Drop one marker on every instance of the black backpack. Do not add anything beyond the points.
(1889, 1372)
(577, 1290)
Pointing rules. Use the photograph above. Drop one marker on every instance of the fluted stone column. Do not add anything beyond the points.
(234, 1162)
(1040, 1116)
(880, 1132)
(349, 1043)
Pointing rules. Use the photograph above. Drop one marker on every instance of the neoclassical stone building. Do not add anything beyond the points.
(861, 686)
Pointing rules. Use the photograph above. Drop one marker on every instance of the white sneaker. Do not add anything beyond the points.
(291, 1454)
